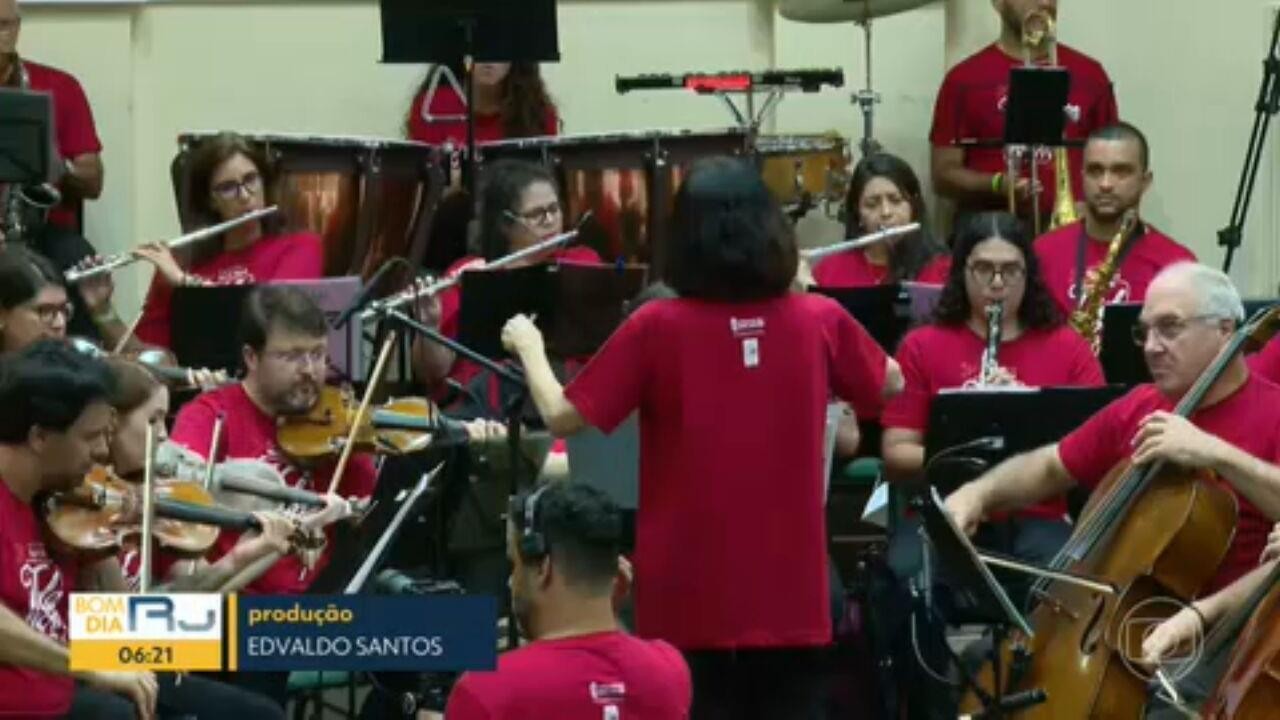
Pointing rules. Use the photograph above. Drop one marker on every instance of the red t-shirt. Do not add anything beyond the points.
(948, 357)
(578, 678)
(971, 106)
(1266, 362)
(451, 301)
(447, 102)
(130, 559)
(36, 588)
(1249, 419)
(249, 433)
(852, 269)
(1148, 254)
(74, 131)
(295, 256)
(731, 544)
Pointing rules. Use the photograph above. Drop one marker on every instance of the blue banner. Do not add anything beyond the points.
(363, 632)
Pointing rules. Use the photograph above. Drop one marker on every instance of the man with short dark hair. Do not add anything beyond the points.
(1116, 173)
(563, 541)
(53, 430)
(285, 356)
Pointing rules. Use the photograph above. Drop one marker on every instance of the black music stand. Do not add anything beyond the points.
(1035, 114)
(884, 310)
(462, 32)
(577, 306)
(204, 326)
(25, 137)
(978, 593)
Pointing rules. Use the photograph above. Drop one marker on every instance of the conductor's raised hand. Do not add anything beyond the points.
(521, 337)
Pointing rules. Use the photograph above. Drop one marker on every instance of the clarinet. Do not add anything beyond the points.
(995, 319)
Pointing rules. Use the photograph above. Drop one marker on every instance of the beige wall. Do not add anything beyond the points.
(1187, 71)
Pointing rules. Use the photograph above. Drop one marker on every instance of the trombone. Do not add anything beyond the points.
(115, 262)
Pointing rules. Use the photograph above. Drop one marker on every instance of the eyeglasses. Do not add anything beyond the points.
(540, 214)
(986, 272)
(49, 312)
(230, 189)
(1167, 329)
(301, 358)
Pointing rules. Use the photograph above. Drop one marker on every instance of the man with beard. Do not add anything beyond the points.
(563, 542)
(285, 357)
(1116, 174)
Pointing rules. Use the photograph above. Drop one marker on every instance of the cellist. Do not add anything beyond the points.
(1189, 314)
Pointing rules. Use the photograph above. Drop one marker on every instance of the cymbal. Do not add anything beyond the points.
(834, 11)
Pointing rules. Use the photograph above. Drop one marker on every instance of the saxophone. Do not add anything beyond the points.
(1087, 317)
(995, 324)
(25, 207)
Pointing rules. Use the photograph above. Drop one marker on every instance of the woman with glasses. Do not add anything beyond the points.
(520, 206)
(885, 193)
(992, 262)
(33, 300)
(228, 179)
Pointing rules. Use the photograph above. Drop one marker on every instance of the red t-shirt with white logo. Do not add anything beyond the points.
(250, 434)
(1249, 419)
(74, 132)
(293, 256)
(446, 102)
(731, 541)
(935, 358)
(1058, 252)
(971, 107)
(35, 587)
(590, 677)
(852, 269)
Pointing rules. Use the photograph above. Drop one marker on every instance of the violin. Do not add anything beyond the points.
(396, 427)
(104, 513)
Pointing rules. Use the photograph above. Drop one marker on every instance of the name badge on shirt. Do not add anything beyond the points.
(751, 352)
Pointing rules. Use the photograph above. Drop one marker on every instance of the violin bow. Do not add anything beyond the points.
(148, 511)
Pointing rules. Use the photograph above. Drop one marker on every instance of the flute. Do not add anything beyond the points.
(118, 261)
(815, 254)
(379, 307)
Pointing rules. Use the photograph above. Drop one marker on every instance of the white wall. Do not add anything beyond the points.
(1186, 71)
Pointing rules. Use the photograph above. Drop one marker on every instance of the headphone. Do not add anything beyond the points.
(533, 544)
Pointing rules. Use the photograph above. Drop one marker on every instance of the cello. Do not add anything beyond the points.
(1250, 688)
(1154, 532)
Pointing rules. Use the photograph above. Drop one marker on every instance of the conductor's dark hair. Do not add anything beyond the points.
(728, 239)
(48, 385)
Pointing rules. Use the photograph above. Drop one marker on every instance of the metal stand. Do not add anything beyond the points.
(1267, 105)
(867, 98)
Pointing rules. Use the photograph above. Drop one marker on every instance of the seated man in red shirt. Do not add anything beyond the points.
(1117, 174)
(563, 542)
(285, 358)
(1189, 315)
(54, 429)
(971, 108)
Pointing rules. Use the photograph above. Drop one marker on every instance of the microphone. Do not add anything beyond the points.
(363, 297)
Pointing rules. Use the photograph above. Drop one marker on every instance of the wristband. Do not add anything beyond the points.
(996, 181)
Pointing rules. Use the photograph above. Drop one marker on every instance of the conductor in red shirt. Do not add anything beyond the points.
(731, 381)
(563, 542)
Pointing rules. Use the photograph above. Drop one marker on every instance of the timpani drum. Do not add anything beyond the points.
(626, 180)
(801, 169)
